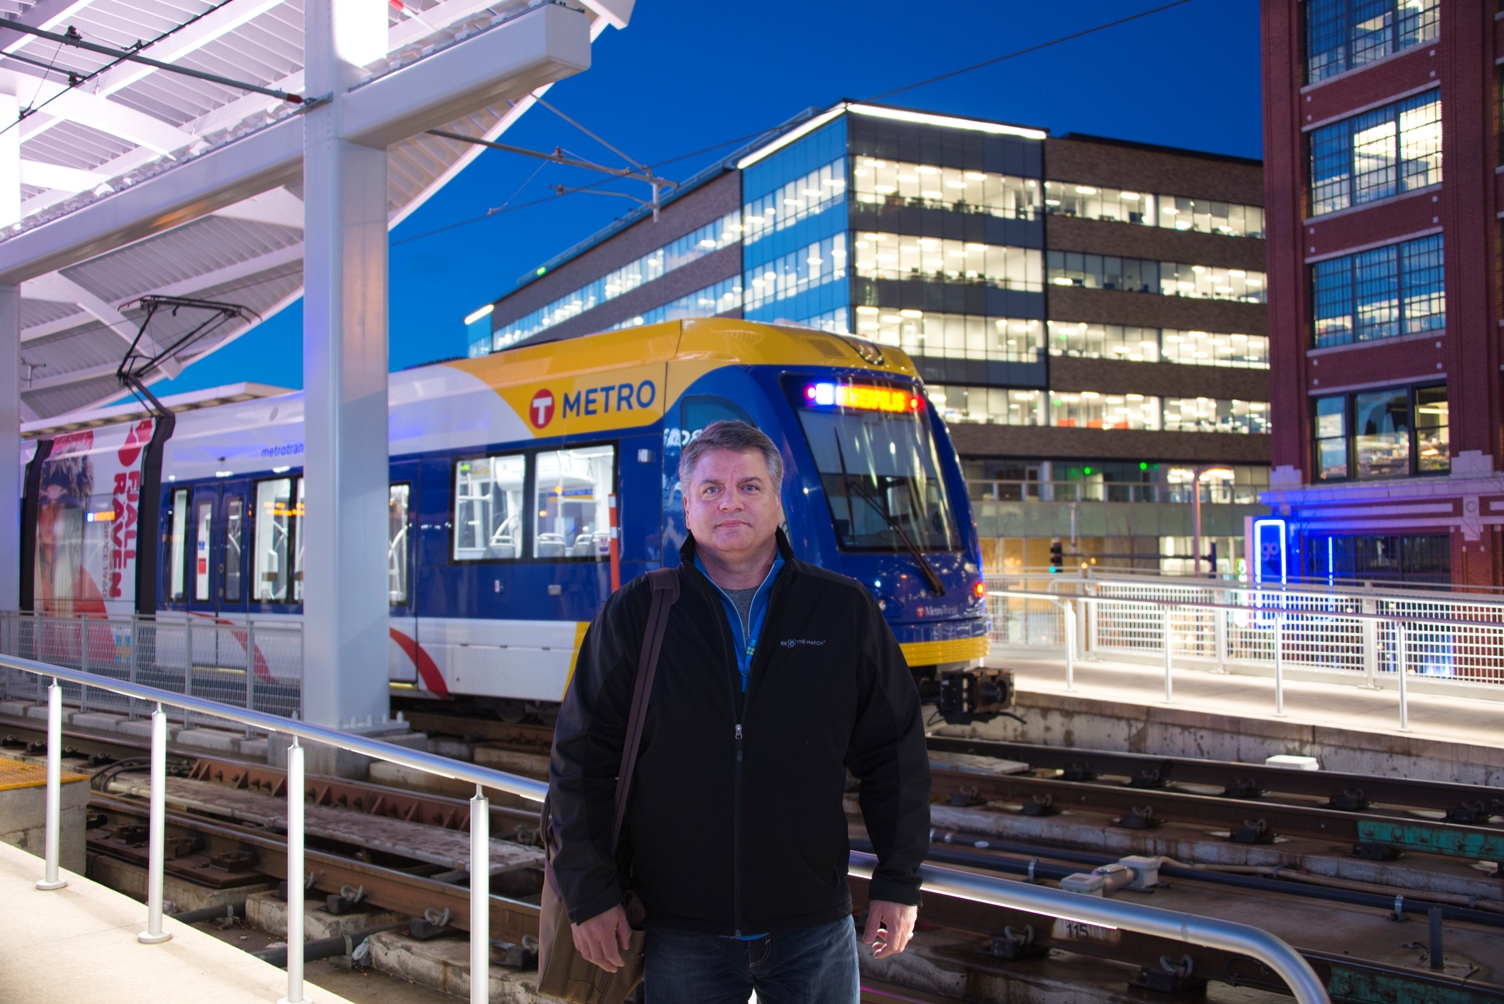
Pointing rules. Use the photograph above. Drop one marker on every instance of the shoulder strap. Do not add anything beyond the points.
(665, 583)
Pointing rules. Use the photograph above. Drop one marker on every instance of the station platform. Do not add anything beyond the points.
(78, 944)
(1121, 706)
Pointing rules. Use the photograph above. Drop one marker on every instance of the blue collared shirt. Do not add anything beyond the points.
(746, 645)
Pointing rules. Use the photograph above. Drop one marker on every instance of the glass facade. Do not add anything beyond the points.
(1138, 275)
(1346, 34)
(1090, 410)
(1206, 414)
(1231, 219)
(724, 296)
(816, 192)
(953, 336)
(1381, 153)
(796, 272)
(1080, 339)
(1386, 433)
(896, 256)
(989, 405)
(896, 183)
(1381, 293)
(676, 254)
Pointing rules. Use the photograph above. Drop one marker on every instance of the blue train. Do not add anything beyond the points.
(504, 470)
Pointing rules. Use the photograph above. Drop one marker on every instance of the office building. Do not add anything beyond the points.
(1384, 310)
(1088, 314)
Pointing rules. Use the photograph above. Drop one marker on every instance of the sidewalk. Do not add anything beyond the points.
(1329, 705)
(78, 944)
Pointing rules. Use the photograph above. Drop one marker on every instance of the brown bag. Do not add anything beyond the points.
(562, 971)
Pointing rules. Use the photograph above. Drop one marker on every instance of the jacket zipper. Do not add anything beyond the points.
(736, 838)
(738, 712)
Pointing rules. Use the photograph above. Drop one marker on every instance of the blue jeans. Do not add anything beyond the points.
(815, 965)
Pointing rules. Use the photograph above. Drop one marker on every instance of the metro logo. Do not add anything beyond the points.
(540, 411)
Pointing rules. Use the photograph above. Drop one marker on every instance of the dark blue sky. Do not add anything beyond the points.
(684, 76)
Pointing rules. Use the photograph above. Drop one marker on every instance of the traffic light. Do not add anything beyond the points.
(1057, 556)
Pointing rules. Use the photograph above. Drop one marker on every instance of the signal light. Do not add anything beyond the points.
(1057, 556)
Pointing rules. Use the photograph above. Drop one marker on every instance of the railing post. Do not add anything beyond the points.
(1402, 658)
(1279, 664)
(131, 665)
(250, 666)
(1219, 633)
(53, 838)
(480, 898)
(1168, 641)
(188, 667)
(295, 789)
(1070, 644)
(157, 835)
(1371, 644)
(83, 660)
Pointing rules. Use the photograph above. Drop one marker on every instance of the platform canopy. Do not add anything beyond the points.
(140, 180)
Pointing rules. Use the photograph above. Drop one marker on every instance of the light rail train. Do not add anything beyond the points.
(503, 470)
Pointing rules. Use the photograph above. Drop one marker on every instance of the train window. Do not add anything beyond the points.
(879, 470)
(177, 555)
(203, 535)
(274, 530)
(699, 411)
(488, 508)
(234, 547)
(573, 489)
(396, 551)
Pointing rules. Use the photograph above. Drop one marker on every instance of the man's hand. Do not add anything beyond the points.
(897, 923)
(602, 938)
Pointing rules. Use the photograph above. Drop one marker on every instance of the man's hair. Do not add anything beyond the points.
(738, 437)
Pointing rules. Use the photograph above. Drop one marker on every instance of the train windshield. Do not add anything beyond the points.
(878, 466)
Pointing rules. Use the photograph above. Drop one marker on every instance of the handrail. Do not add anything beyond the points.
(429, 763)
(1187, 927)
(1279, 611)
(480, 843)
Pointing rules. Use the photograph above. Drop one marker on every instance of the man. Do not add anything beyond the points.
(775, 678)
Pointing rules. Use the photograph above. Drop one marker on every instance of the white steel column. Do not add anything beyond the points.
(344, 378)
(10, 361)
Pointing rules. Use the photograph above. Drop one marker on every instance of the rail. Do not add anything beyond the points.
(1364, 641)
(480, 818)
(1258, 944)
(1100, 911)
(1212, 492)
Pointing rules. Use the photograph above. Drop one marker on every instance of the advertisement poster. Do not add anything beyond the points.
(88, 523)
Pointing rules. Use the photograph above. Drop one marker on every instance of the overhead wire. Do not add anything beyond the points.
(716, 146)
(1032, 48)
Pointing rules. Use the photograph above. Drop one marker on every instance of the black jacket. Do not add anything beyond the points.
(728, 836)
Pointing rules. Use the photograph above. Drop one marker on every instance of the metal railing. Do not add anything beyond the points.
(1212, 493)
(1104, 912)
(249, 663)
(1279, 956)
(1452, 645)
(480, 842)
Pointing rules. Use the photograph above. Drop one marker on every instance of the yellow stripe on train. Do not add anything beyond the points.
(626, 379)
(932, 653)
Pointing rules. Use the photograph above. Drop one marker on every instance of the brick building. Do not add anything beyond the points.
(1384, 291)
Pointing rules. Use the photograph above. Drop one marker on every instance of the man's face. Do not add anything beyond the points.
(731, 504)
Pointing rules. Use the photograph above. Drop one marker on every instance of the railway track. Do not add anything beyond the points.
(224, 852)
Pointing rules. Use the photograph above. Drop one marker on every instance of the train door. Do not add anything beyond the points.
(216, 586)
(401, 510)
